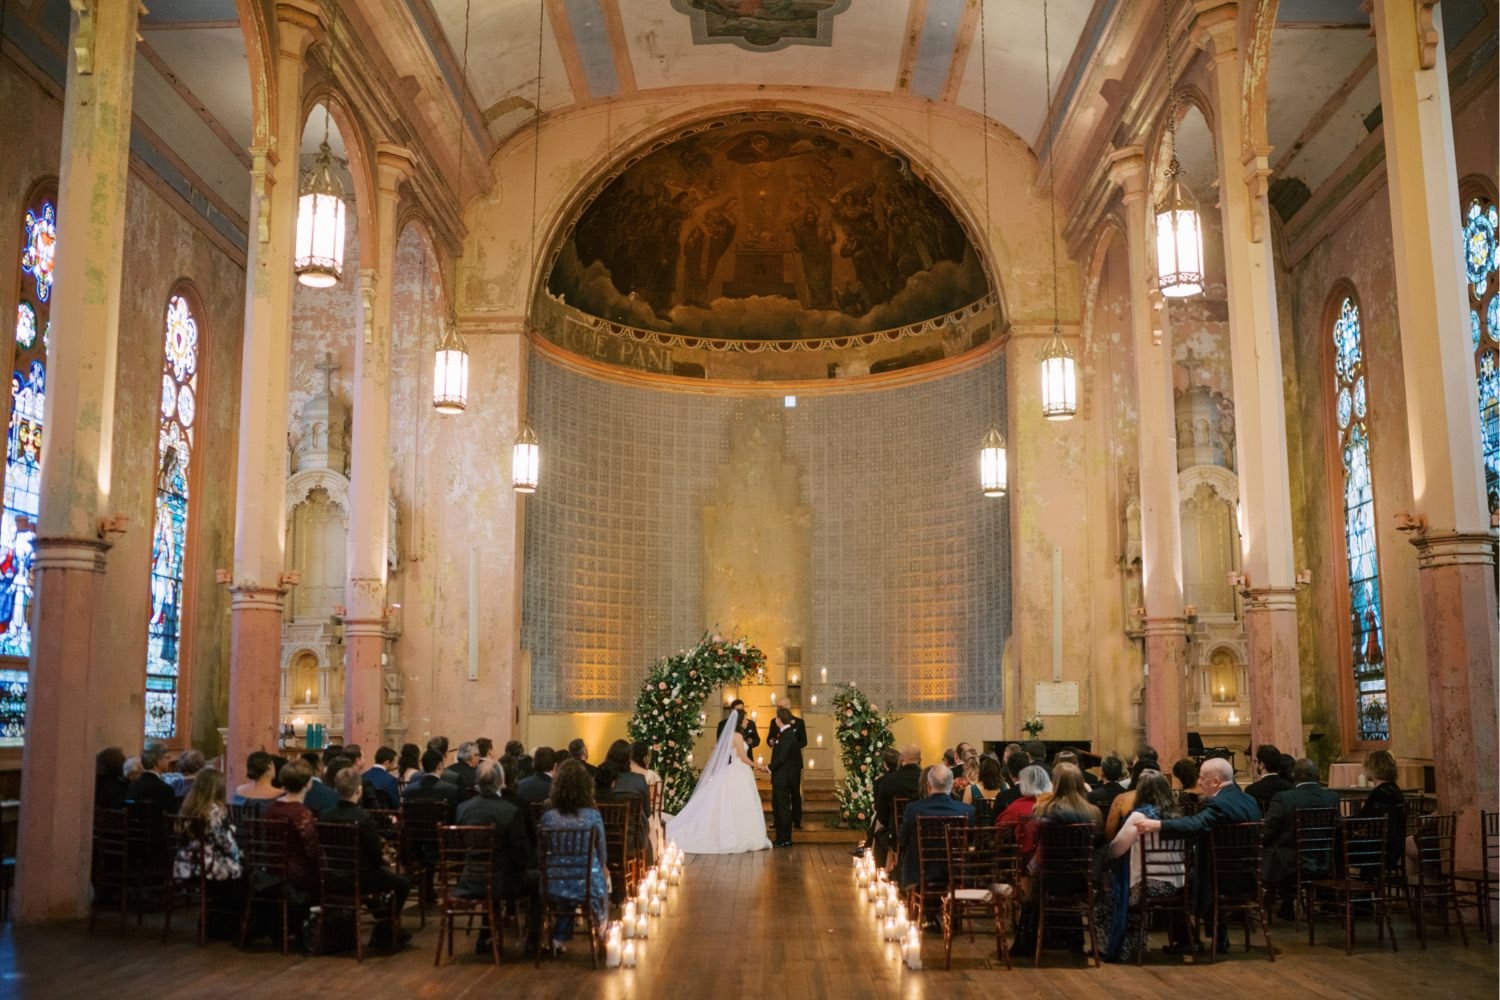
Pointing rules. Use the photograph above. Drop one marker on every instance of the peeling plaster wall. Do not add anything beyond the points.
(323, 322)
(1358, 251)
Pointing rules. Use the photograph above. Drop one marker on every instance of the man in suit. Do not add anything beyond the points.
(461, 772)
(382, 782)
(904, 782)
(1281, 833)
(430, 785)
(319, 796)
(537, 786)
(1223, 803)
(792, 726)
(1275, 771)
(579, 751)
(786, 773)
(747, 727)
(514, 874)
(374, 876)
(151, 787)
(1113, 770)
(938, 782)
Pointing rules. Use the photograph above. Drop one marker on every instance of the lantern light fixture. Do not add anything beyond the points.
(450, 371)
(994, 474)
(525, 460)
(1059, 374)
(1179, 227)
(321, 214)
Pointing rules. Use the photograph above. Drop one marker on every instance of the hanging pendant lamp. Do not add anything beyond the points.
(993, 472)
(1059, 375)
(1179, 228)
(450, 371)
(319, 258)
(525, 460)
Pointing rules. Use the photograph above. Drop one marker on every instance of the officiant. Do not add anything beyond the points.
(747, 727)
(790, 727)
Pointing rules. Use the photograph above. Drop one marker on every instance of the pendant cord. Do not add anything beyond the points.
(333, 53)
(536, 144)
(1051, 163)
(1173, 167)
(458, 184)
(984, 137)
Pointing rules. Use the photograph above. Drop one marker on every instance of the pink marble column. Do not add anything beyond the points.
(1450, 520)
(1275, 693)
(69, 657)
(1166, 684)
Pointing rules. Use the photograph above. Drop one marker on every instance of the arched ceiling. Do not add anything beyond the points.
(930, 49)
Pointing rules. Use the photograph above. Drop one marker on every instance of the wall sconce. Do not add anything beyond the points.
(1304, 577)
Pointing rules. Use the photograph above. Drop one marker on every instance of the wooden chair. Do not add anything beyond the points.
(985, 811)
(567, 856)
(1065, 853)
(341, 872)
(1313, 843)
(1236, 881)
(982, 883)
(654, 819)
(926, 896)
(190, 891)
(265, 846)
(109, 868)
(538, 810)
(898, 811)
(150, 844)
(1434, 878)
(1166, 859)
(421, 848)
(1358, 884)
(1482, 882)
(466, 883)
(389, 821)
(617, 848)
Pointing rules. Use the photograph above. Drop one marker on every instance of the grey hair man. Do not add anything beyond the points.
(462, 772)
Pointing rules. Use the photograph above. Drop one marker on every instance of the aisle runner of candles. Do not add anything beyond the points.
(625, 940)
(882, 897)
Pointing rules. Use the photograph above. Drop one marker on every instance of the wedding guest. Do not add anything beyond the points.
(485, 748)
(640, 763)
(1112, 770)
(381, 779)
(110, 785)
(579, 751)
(432, 785)
(616, 781)
(408, 764)
(513, 875)
(890, 759)
(440, 744)
(1034, 783)
(258, 790)
(1125, 801)
(905, 782)
(320, 795)
(302, 849)
(207, 847)
(184, 771)
(939, 801)
(516, 749)
(573, 809)
(984, 791)
(1069, 802)
(1385, 799)
(1274, 769)
(1186, 771)
(537, 786)
(1281, 835)
(524, 766)
(150, 787)
(1118, 910)
(374, 876)
(1015, 763)
(133, 769)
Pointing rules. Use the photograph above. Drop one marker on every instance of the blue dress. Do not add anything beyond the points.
(573, 889)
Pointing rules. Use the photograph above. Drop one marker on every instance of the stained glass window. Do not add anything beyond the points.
(1366, 629)
(1481, 258)
(179, 405)
(23, 458)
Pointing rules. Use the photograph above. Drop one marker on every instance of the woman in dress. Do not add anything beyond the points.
(409, 764)
(207, 847)
(1117, 909)
(1385, 799)
(260, 789)
(724, 816)
(640, 763)
(1035, 785)
(984, 790)
(573, 809)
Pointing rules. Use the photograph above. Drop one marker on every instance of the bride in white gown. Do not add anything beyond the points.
(724, 814)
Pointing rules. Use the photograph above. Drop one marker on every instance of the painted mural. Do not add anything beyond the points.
(762, 25)
(767, 229)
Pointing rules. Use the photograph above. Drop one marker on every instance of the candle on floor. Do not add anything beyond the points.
(903, 924)
(890, 929)
(811, 763)
(879, 907)
(629, 956)
(612, 948)
(627, 919)
(642, 926)
(655, 906)
(913, 950)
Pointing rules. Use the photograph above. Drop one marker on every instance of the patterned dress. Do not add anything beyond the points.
(573, 890)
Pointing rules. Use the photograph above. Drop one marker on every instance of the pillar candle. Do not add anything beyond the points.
(823, 675)
(890, 929)
(629, 956)
(642, 926)
(913, 950)
(612, 948)
(903, 924)
(879, 907)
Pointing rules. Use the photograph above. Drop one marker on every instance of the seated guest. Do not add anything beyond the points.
(938, 781)
(1125, 801)
(573, 809)
(181, 776)
(537, 786)
(1069, 802)
(259, 789)
(640, 763)
(320, 795)
(1223, 802)
(1281, 833)
(984, 791)
(440, 744)
(524, 766)
(374, 876)
(207, 847)
(382, 781)
(890, 759)
(514, 873)
(1112, 770)
(461, 771)
(408, 764)
(485, 747)
(133, 769)
(302, 857)
(1037, 751)
(1274, 775)
(109, 779)
(905, 782)
(1385, 799)
(1034, 784)
(1118, 908)
(150, 787)
(431, 785)
(579, 751)
(1186, 772)
(516, 749)
(1016, 762)
(616, 782)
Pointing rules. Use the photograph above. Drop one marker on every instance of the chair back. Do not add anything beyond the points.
(111, 846)
(985, 810)
(655, 792)
(979, 857)
(616, 817)
(1065, 853)
(567, 855)
(1313, 840)
(339, 863)
(150, 840)
(1435, 846)
(1362, 841)
(1236, 866)
(420, 820)
(1165, 859)
(1489, 826)
(466, 860)
(538, 810)
(265, 846)
(898, 811)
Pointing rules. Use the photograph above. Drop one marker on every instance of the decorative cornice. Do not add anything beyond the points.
(1438, 550)
(65, 552)
(1260, 600)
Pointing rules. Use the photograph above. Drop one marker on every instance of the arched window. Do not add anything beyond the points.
(174, 452)
(23, 454)
(1361, 561)
(1481, 258)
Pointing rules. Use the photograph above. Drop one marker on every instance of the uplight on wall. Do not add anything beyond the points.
(993, 471)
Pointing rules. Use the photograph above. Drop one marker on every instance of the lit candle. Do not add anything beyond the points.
(628, 918)
(629, 957)
(890, 929)
(913, 950)
(308, 696)
(879, 907)
(811, 763)
(661, 888)
(820, 736)
(760, 760)
(642, 926)
(655, 906)
(796, 678)
(612, 949)
(823, 675)
(814, 699)
(773, 699)
(903, 923)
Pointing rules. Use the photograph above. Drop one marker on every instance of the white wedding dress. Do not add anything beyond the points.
(724, 814)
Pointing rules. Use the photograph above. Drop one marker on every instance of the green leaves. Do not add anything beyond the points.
(864, 734)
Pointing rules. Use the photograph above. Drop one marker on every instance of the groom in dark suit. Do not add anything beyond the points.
(747, 727)
(788, 726)
(786, 775)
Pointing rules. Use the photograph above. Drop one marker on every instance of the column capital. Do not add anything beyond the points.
(393, 165)
(1454, 548)
(1127, 169)
(1166, 626)
(79, 554)
(366, 627)
(250, 598)
(1270, 599)
(1215, 28)
(299, 21)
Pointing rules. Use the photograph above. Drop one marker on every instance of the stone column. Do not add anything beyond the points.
(66, 702)
(1161, 517)
(369, 469)
(1452, 532)
(258, 588)
(1269, 589)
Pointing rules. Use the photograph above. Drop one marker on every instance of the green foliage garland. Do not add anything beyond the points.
(864, 733)
(668, 711)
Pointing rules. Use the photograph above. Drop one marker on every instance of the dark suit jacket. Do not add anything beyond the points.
(752, 735)
(319, 796)
(1266, 789)
(1281, 828)
(460, 775)
(431, 788)
(535, 787)
(371, 844)
(150, 788)
(902, 783)
(513, 853)
(786, 758)
(1104, 796)
(1385, 799)
(933, 805)
(797, 725)
(1229, 805)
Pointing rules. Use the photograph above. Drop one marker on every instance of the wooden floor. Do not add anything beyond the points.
(771, 925)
